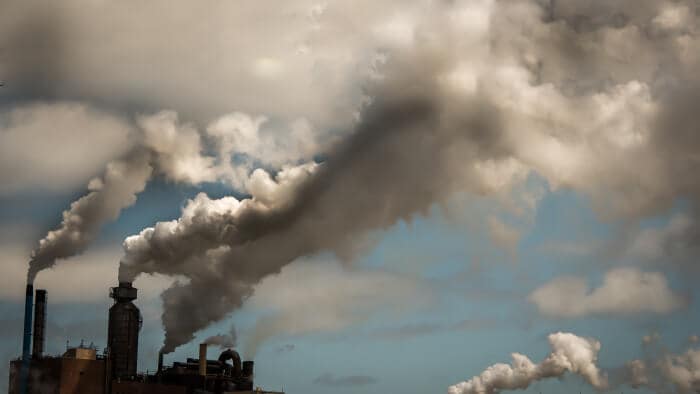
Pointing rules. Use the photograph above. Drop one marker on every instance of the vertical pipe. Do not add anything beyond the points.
(39, 324)
(108, 371)
(26, 340)
(160, 362)
(203, 359)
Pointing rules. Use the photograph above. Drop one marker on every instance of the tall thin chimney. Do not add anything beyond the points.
(26, 339)
(160, 362)
(203, 359)
(39, 323)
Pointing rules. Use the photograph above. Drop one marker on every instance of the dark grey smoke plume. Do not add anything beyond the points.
(109, 194)
(410, 151)
(535, 86)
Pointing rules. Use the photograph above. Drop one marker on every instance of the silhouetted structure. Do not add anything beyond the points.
(123, 331)
(81, 370)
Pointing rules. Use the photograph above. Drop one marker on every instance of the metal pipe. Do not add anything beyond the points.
(26, 339)
(39, 324)
(203, 359)
(160, 362)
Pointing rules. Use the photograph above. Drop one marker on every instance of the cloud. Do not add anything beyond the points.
(504, 235)
(56, 147)
(285, 349)
(570, 353)
(329, 380)
(413, 330)
(624, 291)
(314, 297)
(218, 67)
(683, 370)
(670, 241)
(486, 92)
(667, 372)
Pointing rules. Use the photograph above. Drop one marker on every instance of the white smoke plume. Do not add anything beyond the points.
(570, 354)
(108, 195)
(176, 152)
(573, 91)
(518, 86)
(667, 372)
(224, 341)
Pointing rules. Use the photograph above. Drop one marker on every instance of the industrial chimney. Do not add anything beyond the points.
(123, 331)
(39, 324)
(26, 339)
(203, 359)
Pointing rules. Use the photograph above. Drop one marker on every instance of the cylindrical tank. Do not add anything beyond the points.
(39, 323)
(123, 331)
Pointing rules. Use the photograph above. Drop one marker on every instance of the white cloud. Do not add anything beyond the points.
(624, 291)
(662, 243)
(504, 235)
(57, 146)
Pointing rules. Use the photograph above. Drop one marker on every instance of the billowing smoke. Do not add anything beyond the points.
(223, 341)
(108, 195)
(660, 372)
(460, 106)
(667, 372)
(410, 151)
(170, 149)
(599, 97)
(570, 354)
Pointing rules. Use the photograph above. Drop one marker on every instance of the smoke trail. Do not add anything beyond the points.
(570, 353)
(223, 340)
(404, 156)
(108, 195)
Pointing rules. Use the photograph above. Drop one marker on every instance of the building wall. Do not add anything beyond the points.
(79, 376)
(44, 376)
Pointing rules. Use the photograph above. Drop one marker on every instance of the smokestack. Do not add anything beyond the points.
(27, 339)
(39, 323)
(123, 331)
(160, 362)
(203, 359)
(248, 369)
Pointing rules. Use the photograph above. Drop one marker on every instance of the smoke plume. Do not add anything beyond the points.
(462, 97)
(570, 353)
(108, 195)
(174, 151)
(223, 341)
(460, 107)
(409, 152)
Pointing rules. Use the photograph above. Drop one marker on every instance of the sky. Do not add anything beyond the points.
(465, 196)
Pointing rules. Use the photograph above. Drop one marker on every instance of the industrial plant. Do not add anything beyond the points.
(83, 369)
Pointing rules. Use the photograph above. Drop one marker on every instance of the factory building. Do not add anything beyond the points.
(84, 370)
